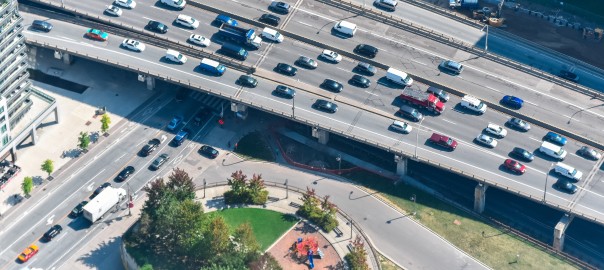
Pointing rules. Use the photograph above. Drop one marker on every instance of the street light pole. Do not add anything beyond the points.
(350, 221)
(204, 188)
(546, 176)
(129, 200)
(417, 137)
(486, 41)
(294, 106)
(286, 190)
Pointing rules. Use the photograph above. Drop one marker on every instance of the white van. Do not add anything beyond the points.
(473, 104)
(568, 171)
(552, 150)
(178, 4)
(175, 57)
(399, 77)
(272, 35)
(345, 28)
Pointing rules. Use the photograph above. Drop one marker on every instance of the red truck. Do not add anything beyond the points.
(423, 99)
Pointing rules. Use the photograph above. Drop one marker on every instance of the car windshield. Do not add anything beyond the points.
(573, 172)
(516, 165)
(449, 141)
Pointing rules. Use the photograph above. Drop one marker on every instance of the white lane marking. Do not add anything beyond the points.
(50, 220)
(530, 103)
(449, 121)
(373, 94)
(345, 70)
(419, 62)
(190, 32)
(149, 18)
(305, 24)
(117, 159)
(530, 137)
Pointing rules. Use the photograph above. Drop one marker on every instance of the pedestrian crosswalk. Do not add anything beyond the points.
(210, 101)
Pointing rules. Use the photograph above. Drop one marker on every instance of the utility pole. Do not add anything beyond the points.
(286, 190)
(204, 188)
(486, 40)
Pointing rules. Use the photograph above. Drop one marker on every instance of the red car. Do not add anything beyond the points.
(97, 34)
(443, 141)
(514, 166)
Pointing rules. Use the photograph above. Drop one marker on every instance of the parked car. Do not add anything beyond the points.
(200, 40)
(279, 7)
(589, 153)
(555, 138)
(451, 66)
(113, 11)
(306, 62)
(331, 56)
(571, 76)
(159, 161)
(124, 174)
(366, 69)
(326, 106)
(150, 147)
(77, 211)
(523, 154)
(270, 19)
(41, 26)
(286, 69)
(512, 102)
(496, 130)
(401, 126)
(566, 186)
(366, 50)
(97, 34)
(208, 151)
(514, 166)
(100, 189)
(247, 81)
(332, 85)
(52, 232)
(174, 122)
(486, 141)
(443, 141)
(518, 124)
(133, 45)
(157, 27)
(28, 253)
(222, 19)
(285, 91)
(360, 81)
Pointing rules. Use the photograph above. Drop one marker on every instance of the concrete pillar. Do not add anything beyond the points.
(401, 165)
(240, 110)
(67, 58)
(480, 197)
(31, 56)
(56, 110)
(560, 230)
(150, 82)
(323, 136)
(34, 135)
(13, 153)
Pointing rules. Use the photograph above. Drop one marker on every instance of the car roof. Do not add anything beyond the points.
(223, 17)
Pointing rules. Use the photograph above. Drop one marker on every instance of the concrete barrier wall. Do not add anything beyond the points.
(127, 261)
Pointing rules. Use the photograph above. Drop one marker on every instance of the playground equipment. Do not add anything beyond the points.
(307, 247)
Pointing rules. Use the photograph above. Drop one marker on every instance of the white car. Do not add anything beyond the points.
(200, 40)
(125, 3)
(187, 21)
(331, 56)
(133, 45)
(486, 140)
(401, 126)
(496, 130)
(175, 57)
(113, 11)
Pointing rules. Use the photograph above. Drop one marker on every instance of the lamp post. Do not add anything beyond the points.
(130, 204)
(286, 190)
(294, 106)
(339, 160)
(417, 137)
(414, 198)
(350, 221)
(486, 40)
(204, 188)
(546, 176)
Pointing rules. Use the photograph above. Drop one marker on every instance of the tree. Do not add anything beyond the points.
(84, 140)
(27, 185)
(182, 184)
(265, 262)
(218, 237)
(105, 121)
(258, 194)
(48, 166)
(239, 190)
(244, 237)
(357, 258)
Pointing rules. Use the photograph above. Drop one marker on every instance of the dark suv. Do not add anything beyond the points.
(366, 50)
(270, 19)
(158, 27)
(41, 26)
(150, 147)
(411, 113)
(247, 81)
(52, 232)
(279, 7)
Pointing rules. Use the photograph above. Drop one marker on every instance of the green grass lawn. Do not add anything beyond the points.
(254, 145)
(497, 250)
(267, 225)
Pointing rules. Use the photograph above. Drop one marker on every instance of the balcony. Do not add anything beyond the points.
(12, 83)
(15, 56)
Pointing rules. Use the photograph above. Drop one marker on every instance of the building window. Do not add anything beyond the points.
(1, 109)
(3, 129)
(5, 139)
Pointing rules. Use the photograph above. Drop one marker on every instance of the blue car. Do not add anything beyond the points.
(512, 102)
(222, 19)
(555, 138)
(180, 137)
(174, 122)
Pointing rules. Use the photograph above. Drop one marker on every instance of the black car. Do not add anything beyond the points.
(523, 154)
(156, 26)
(41, 26)
(52, 232)
(589, 153)
(306, 62)
(332, 85)
(285, 91)
(247, 81)
(326, 106)
(366, 68)
(159, 161)
(566, 186)
(366, 50)
(279, 7)
(270, 19)
(286, 69)
(571, 76)
(208, 151)
(124, 174)
(361, 81)
(100, 189)
(204, 113)
(78, 209)
(150, 147)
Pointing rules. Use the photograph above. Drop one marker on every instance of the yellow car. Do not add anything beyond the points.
(28, 253)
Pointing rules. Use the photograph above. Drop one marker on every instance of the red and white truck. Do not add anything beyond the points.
(422, 99)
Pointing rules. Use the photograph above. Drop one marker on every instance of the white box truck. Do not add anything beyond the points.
(102, 203)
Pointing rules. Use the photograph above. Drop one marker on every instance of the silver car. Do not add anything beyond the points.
(401, 126)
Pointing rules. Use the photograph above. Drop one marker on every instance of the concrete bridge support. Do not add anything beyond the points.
(401, 165)
(321, 135)
(240, 110)
(150, 81)
(560, 231)
(67, 58)
(480, 197)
